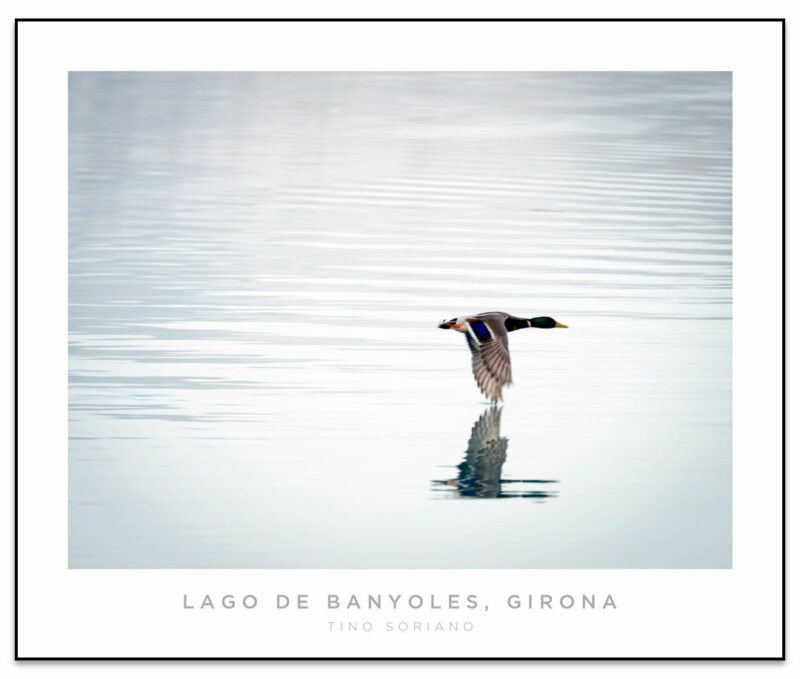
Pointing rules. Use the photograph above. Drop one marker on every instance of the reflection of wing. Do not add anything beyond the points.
(485, 429)
(479, 473)
(491, 362)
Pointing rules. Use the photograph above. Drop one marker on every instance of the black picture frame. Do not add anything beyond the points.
(18, 21)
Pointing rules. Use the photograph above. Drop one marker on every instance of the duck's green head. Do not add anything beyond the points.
(545, 322)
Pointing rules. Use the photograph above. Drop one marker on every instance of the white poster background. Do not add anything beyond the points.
(659, 613)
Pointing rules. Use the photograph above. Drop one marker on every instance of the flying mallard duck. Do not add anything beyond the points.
(487, 337)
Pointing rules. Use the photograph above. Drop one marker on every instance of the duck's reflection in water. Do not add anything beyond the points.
(479, 475)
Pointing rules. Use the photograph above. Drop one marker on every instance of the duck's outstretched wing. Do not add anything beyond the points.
(491, 362)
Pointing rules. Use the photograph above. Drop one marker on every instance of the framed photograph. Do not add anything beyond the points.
(269, 400)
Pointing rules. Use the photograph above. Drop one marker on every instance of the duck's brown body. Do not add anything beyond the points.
(487, 338)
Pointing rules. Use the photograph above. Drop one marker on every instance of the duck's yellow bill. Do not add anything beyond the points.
(560, 325)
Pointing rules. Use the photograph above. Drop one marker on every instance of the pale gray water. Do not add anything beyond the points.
(258, 262)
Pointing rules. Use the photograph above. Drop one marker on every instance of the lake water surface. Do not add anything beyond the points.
(259, 261)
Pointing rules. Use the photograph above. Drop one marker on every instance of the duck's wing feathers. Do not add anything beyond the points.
(491, 362)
